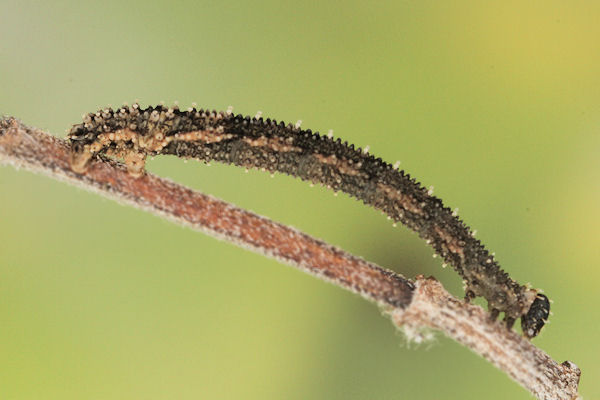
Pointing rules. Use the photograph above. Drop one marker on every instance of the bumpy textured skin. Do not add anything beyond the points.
(133, 133)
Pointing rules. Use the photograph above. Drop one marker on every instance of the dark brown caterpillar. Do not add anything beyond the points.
(133, 134)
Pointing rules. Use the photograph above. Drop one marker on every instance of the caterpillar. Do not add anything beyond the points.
(132, 133)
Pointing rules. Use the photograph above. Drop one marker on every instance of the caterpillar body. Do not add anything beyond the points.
(132, 133)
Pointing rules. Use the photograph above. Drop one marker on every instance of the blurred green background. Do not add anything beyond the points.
(496, 104)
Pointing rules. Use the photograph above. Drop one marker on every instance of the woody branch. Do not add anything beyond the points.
(412, 305)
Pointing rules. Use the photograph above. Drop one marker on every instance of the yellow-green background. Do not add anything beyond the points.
(496, 104)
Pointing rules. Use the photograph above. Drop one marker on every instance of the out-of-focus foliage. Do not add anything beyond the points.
(496, 104)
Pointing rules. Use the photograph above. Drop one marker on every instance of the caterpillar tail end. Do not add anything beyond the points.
(80, 161)
(136, 163)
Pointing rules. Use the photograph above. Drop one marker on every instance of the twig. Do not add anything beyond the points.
(470, 325)
(412, 305)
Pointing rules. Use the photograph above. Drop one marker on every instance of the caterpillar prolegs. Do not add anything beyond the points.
(133, 133)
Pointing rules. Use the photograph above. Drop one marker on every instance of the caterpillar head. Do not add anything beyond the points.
(536, 317)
